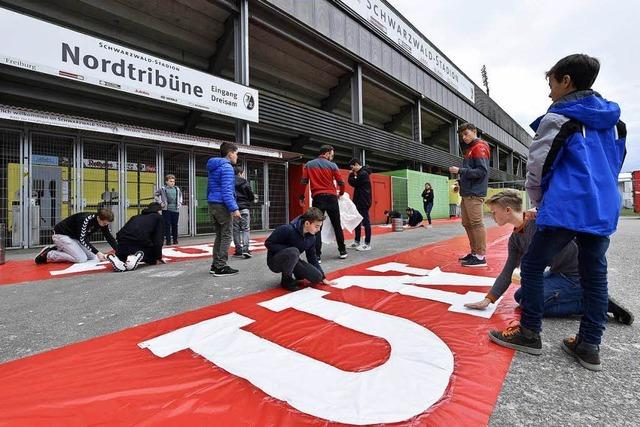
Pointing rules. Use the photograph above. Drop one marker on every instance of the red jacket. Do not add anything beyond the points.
(321, 173)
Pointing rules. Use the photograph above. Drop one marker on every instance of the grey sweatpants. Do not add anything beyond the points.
(68, 250)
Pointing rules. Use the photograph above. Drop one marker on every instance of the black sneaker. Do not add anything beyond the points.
(247, 254)
(474, 261)
(518, 338)
(588, 355)
(465, 258)
(343, 255)
(621, 314)
(290, 284)
(238, 255)
(175, 242)
(41, 258)
(167, 243)
(224, 271)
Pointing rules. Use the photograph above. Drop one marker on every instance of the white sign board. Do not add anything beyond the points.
(398, 30)
(39, 46)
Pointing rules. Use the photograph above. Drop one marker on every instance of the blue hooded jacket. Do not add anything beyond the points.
(222, 183)
(574, 162)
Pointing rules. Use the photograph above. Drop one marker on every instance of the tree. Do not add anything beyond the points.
(485, 78)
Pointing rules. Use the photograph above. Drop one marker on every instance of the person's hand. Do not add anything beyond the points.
(531, 214)
(236, 214)
(328, 282)
(480, 305)
(101, 256)
(454, 169)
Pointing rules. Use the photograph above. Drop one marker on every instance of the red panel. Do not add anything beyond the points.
(295, 190)
(381, 188)
(110, 381)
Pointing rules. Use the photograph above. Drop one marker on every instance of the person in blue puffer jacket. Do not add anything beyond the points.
(221, 197)
(572, 170)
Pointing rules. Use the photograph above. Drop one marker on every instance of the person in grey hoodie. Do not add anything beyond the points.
(170, 198)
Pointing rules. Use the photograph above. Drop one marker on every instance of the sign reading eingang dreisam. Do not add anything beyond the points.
(36, 45)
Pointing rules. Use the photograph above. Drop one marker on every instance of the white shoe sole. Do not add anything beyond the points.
(118, 266)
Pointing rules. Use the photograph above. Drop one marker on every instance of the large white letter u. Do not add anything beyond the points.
(413, 378)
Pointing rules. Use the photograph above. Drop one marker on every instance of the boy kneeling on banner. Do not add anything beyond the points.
(140, 239)
(286, 244)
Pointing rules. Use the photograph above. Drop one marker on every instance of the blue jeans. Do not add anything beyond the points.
(241, 232)
(366, 223)
(592, 262)
(562, 295)
(170, 225)
(427, 210)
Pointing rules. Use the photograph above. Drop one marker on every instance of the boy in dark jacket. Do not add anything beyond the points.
(359, 180)
(474, 180)
(577, 153)
(415, 218)
(286, 244)
(241, 225)
(140, 240)
(71, 238)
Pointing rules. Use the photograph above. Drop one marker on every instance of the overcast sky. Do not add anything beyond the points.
(519, 40)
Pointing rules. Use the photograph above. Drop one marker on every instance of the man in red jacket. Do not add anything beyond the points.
(320, 174)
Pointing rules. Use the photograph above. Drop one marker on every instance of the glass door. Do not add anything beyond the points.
(141, 179)
(177, 163)
(254, 172)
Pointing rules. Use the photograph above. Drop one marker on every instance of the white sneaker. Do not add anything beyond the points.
(118, 265)
(133, 260)
(363, 247)
(355, 245)
(429, 226)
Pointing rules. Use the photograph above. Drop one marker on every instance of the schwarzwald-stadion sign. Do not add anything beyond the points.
(387, 22)
(39, 46)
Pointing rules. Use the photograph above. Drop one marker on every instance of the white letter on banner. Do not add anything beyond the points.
(405, 285)
(414, 377)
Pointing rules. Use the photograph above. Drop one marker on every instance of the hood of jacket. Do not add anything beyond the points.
(587, 107)
(215, 163)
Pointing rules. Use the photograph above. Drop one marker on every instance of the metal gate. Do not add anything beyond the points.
(10, 188)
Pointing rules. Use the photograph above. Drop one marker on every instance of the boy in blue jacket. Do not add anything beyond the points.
(221, 196)
(286, 244)
(572, 172)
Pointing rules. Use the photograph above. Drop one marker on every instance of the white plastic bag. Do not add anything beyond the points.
(349, 219)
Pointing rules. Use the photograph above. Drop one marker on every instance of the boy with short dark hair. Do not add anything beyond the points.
(286, 244)
(414, 218)
(359, 180)
(222, 206)
(140, 240)
(576, 155)
(242, 225)
(474, 180)
(71, 238)
(170, 198)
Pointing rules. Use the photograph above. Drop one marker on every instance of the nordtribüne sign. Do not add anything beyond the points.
(398, 30)
(39, 46)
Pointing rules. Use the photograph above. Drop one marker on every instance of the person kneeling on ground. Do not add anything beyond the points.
(562, 290)
(415, 218)
(140, 239)
(391, 215)
(286, 244)
(71, 238)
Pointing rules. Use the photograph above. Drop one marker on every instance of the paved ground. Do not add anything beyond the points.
(550, 389)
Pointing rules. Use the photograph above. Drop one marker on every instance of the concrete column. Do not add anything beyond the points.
(417, 121)
(356, 95)
(454, 140)
(241, 64)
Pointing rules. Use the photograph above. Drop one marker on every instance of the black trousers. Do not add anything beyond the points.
(126, 249)
(170, 225)
(288, 262)
(328, 204)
